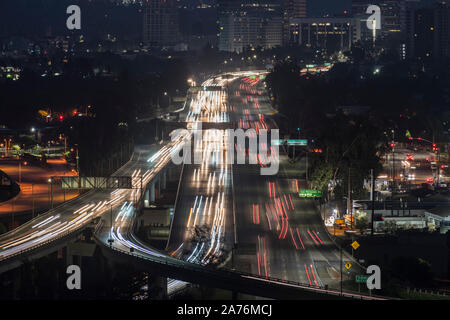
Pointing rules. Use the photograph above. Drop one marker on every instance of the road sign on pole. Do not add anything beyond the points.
(361, 278)
(290, 142)
(348, 265)
(355, 245)
(310, 193)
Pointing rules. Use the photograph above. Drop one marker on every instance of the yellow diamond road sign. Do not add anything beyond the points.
(355, 245)
(348, 265)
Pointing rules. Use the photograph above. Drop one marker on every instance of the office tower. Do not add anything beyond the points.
(292, 9)
(329, 34)
(161, 26)
(295, 8)
(441, 30)
(251, 23)
(429, 31)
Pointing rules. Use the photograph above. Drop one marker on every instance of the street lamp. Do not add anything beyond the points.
(50, 181)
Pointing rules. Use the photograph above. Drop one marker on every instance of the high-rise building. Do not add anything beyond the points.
(292, 9)
(393, 17)
(422, 44)
(161, 24)
(429, 32)
(295, 9)
(249, 23)
(329, 34)
(442, 29)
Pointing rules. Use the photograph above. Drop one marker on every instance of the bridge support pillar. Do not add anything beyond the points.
(164, 180)
(157, 287)
(146, 197)
(152, 192)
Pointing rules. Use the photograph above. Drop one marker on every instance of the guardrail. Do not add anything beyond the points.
(45, 243)
(48, 212)
(236, 274)
(65, 234)
(180, 182)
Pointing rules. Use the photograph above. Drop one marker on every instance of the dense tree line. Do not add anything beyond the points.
(395, 96)
(115, 102)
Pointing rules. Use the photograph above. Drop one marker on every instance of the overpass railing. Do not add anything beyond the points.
(224, 273)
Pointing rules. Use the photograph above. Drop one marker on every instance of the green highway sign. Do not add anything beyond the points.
(290, 142)
(297, 142)
(310, 193)
(361, 278)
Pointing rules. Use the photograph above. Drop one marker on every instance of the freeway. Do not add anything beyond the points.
(285, 234)
(202, 229)
(73, 215)
(130, 250)
(207, 201)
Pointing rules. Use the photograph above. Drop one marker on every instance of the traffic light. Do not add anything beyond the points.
(378, 218)
(61, 118)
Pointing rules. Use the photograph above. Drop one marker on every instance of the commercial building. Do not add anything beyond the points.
(295, 9)
(429, 32)
(393, 16)
(330, 34)
(245, 24)
(161, 24)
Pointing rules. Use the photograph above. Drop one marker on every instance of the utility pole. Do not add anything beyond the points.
(110, 240)
(393, 173)
(51, 188)
(341, 270)
(349, 201)
(306, 167)
(372, 196)
(78, 168)
(32, 196)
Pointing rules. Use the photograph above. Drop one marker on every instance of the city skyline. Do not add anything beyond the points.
(224, 155)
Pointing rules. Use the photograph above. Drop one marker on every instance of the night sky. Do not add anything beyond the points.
(320, 7)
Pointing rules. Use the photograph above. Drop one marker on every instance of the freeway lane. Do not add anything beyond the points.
(202, 230)
(284, 234)
(145, 164)
(194, 207)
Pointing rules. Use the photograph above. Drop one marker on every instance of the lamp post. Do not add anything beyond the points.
(50, 181)
(32, 196)
(341, 269)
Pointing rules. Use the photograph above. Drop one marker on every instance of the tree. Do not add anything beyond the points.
(390, 226)
(362, 223)
(414, 270)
